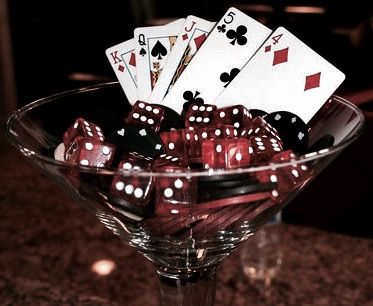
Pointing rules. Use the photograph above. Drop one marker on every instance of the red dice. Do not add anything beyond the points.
(236, 115)
(225, 153)
(287, 177)
(259, 127)
(89, 152)
(263, 148)
(199, 115)
(173, 193)
(82, 128)
(174, 143)
(146, 114)
(168, 163)
(133, 188)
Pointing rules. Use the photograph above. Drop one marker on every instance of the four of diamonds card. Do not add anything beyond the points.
(236, 60)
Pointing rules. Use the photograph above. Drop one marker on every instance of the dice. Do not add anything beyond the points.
(199, 116)
(145, 114)
(218, 131)
(167, 162)
(83, 128)
(130, 138)
(193, 138)
(174, 143)
(133, 188)
(259, 127)
(291, 128)
(89, 152)
(236, 115)
(171, 119)
(263, 148)
(287, 177)
(225, 153)
(174, 195)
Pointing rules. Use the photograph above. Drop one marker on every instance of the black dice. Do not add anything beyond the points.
(291, 128)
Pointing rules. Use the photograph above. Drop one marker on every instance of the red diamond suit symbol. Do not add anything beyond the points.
(280, 56)
(312, 81)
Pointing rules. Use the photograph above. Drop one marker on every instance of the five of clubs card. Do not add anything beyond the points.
(236, 60)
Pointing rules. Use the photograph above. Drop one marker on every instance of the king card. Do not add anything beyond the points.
(123, 61)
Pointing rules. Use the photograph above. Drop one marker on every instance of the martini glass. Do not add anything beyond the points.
(186, 241)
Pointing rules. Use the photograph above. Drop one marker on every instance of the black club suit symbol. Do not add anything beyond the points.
(226, 77)
(191, 99)
(238, 35)
(222, 28)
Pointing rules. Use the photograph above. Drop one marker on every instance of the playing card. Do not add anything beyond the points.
(285, 74)
(194, 33)
(152, 47)
(123, 61)
(226, 50)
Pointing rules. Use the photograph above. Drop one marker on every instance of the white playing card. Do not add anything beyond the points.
(226, 50)
(152, 47)
(194, 33)
(123, 61)
(285, 74)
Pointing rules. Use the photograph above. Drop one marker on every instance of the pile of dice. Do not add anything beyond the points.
(156, 139)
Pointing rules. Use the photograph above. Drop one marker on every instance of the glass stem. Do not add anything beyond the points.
(195, 288)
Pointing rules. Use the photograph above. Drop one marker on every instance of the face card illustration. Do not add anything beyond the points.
(194, 32)
(285, 74)
(152, 47)
(227, 49)
(123, 61)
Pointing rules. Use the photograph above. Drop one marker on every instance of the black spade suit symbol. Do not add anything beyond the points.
(159, 50)
(142, 52)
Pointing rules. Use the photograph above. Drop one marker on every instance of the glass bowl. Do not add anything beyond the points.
(188, 229)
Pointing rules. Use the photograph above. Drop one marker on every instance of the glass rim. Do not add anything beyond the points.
(310, 156)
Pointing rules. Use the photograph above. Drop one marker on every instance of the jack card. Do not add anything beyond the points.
(194, 33)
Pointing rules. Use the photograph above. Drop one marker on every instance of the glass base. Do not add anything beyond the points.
(194, 288)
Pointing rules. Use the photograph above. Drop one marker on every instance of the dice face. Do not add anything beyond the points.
(218, 131)
(287, 177)
(143, 141)
(263, 148)
(169, 163)
(200, 115)
(89, 152)
(291, 128)
(225, 153)
(173, 142)
(259, 127)
(174, 195)
(145, 114)
(236, 115)
(134, 189)
(83, 128)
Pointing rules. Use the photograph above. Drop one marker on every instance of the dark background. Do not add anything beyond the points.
(59, 45)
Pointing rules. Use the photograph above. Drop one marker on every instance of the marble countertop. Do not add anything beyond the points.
(49, 242)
